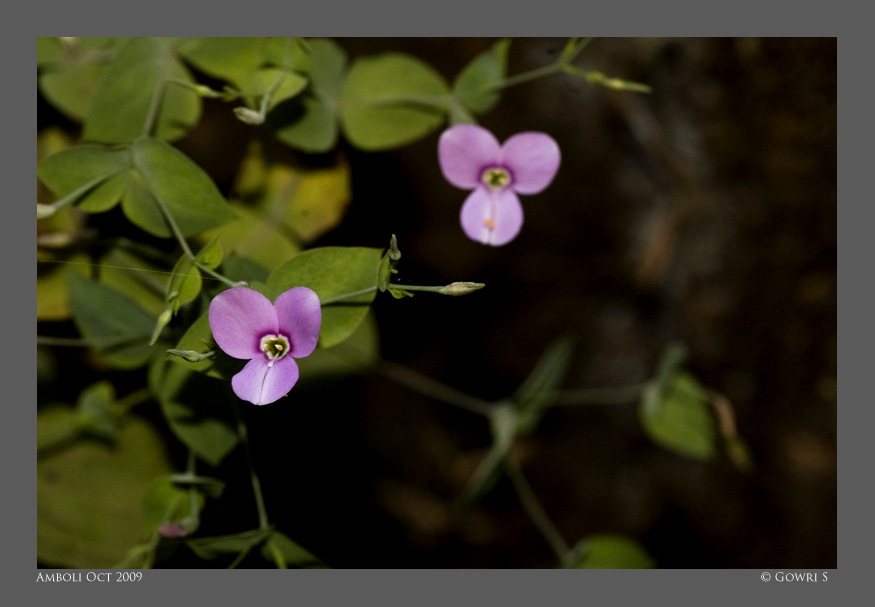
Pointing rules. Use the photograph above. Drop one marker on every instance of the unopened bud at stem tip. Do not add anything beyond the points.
(244, 114)
(461, 288)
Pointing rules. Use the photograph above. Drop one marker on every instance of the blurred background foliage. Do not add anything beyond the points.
(702, 213)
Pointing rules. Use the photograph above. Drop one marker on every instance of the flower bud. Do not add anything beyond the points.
(44, 210)
(190, 355)
(244, 114)
(461, 288)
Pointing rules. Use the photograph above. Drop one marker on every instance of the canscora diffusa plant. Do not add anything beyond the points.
(239, 287)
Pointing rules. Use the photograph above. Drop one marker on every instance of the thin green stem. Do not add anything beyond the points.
(417, 381)
(433, 388)
(528, 76)
(132, 400)
(239, 558)
(174, 228)
(253, 477)
(575, 45)
(430, 289)
(155, 104)
(354, 294)
(231, 283)
(191, 470)
(177, 233)
(79, 192)
(595, 396)
(265, 99)
(534, 509)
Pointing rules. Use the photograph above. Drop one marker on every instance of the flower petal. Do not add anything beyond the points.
(533, 159)
(260, 384)
(239, 318)
(464, 151)
(299, 316)
(492, 217)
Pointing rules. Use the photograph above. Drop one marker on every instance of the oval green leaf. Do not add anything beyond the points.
(114, 325)
(89, 495)
(182, 186)
(333, 272)
(75, 168)
(478, 85)
(311, 124)
(390, 100)
(609, 551)
(231, 59)
(122, 103)
(285, 553)
(678, 417)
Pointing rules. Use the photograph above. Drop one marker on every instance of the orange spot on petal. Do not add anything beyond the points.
(489, 224)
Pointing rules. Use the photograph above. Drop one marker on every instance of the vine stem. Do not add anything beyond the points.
(156, 97)
(418, 382)
(263, 522)
(534, 509)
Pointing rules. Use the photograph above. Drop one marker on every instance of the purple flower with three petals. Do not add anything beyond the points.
(472, 159)
(246, 325)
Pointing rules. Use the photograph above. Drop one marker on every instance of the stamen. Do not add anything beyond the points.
(495, 177)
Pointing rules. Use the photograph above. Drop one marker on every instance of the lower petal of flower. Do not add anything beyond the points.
(492, 217)
(261, 383)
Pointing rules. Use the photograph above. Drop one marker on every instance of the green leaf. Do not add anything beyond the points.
(538, 391)
(209, 548)
(477, 86)
(94, 411)
(211, 487)
(71, 89)
(330, 362)
(251, 235)
(105, 196)
(75, 168)
(241, 268)
(231, 59)
(609, 551)
(285, 553)
(211, 255)
(89, 495)
(332, 272)
(165, 502)
(185, 281)
(390, 100)
(184, 285)
(48, 49)
(137, 278)
(311, 124)
(197, 408)
(189, 194)
(285, 84)
(503, 424)
(114, 325)
(678, 417)
(52, 295)
(122, 102)
(289, 53)
(199, 338)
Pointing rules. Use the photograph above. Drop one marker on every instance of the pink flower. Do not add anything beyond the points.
(246, 325)
(472, 159)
